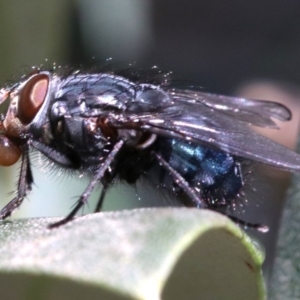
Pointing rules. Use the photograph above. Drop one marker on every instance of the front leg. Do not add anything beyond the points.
(96, 179)
(24, 185)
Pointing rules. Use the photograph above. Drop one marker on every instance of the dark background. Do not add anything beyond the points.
(217, 43)
(248, 48)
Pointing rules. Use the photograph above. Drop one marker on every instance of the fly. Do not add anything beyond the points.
(109, 127)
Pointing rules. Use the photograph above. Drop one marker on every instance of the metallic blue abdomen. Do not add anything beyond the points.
(214, 174)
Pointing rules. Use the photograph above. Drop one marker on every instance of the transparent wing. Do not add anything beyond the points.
(201, 123)
(254, 112)
(218, 121)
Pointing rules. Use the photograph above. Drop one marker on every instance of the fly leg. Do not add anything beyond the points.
(184, 185)
(24, 185)
(59, 158)
(181, 182)
(101, 199)
(257, 226)
(99, 174)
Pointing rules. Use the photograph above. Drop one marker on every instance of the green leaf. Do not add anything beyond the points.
(165, 253)
(284, 283)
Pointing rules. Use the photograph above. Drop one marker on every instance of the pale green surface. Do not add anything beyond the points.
(140, 254)
(285, 280)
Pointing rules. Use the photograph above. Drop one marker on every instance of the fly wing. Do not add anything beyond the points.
(254, 112)
(218, 121)
(201, 123)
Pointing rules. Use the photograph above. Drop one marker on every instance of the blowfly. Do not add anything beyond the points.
(112, 127)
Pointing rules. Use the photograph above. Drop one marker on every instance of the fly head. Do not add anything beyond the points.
(25, 101)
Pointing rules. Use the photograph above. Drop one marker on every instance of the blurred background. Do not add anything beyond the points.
(238, 48)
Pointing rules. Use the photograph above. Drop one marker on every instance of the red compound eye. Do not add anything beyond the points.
(32, 97)
(9, 152)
